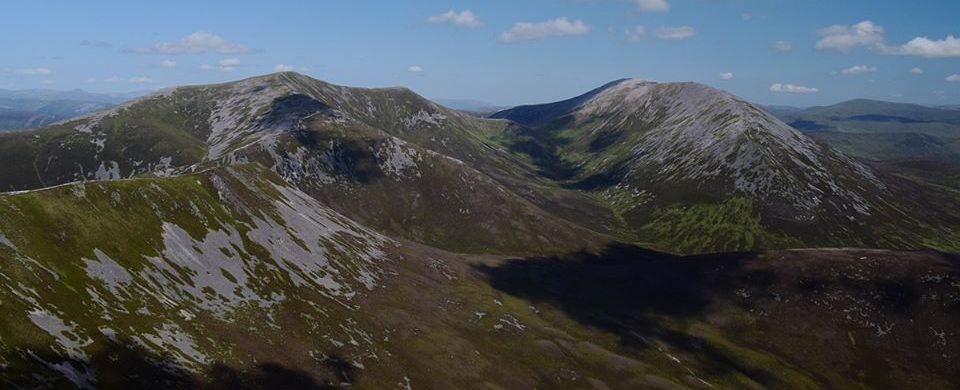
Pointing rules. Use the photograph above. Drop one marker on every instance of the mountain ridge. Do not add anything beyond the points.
(281, 231)
(633, 159)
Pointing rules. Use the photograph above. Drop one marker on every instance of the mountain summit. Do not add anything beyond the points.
(661, 151)
(281, 231)
(681, 165)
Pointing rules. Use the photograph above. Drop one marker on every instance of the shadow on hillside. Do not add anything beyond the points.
(125, 366)
(642, 295)
(623, 287)
(629, 291)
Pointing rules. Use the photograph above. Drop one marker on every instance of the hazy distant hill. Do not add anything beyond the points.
(477, 107)
(781, 110)
(879, 130)
(21, 109)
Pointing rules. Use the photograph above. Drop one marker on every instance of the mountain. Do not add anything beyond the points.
(40, 107)
(232, 278)
(675, 165)
(697, 168)
(387, 157)
(283, 232)
(781, 110)
(882, 130)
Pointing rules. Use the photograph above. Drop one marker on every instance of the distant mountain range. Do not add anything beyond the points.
(477, 107)
(901, 135)
(285, 232)
(22, 109)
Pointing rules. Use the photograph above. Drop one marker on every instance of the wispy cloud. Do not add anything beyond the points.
(96, 44)
(726, 76)
(562, 26)
(168, 63)
(139, 80)
(131, 80)
(34, 71)
(676, 33)
(464, 18)
(228, 64)
(791, 88)
(782, 46)
(653, 5)
(916, 71)
(415, 69)
(953, 78)
(859, 69)
(636, 34)
(196, 43)
(283, 68)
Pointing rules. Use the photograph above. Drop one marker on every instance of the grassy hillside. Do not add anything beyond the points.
(230, 278)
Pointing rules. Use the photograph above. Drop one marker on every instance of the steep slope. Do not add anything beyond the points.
(182, 268)
(230, 278)
(699, 169)
(387, 156)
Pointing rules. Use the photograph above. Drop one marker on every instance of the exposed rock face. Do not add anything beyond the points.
(651, 146)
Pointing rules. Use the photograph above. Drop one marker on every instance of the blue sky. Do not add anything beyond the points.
(501, 51)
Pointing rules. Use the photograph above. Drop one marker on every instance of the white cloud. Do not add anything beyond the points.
(34, 71)
(916, 71)
(954, 78)
(726, 76)
(198, 42)
(228, 64)
(206, 67)
(552, 28)
(168, 64)
(844, 38)
(782, 46)
(139, 80)
(867, 34)
(925, 47)
(636, 34)
(463, 18)
(415, 69)
(282, 68)
(676, 33)
(653, 5)
(859, 69)
(790, 88)
(747, 17)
